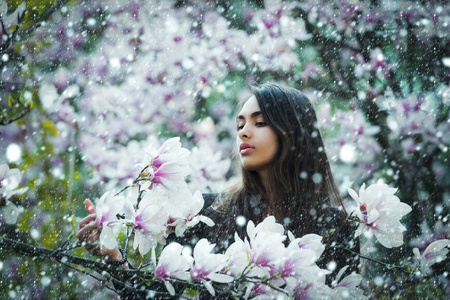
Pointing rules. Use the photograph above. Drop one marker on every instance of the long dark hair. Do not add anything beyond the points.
(301, 184)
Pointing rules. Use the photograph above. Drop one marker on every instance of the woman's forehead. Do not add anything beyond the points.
(249, 107)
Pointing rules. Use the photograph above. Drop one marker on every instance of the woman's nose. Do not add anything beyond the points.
(244, 132)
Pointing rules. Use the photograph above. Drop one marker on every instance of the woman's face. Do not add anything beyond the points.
(257, 142)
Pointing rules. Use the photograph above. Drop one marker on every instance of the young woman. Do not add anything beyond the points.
(285, 173)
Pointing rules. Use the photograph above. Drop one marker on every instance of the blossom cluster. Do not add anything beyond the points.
(173, 66)
(261, 266)
(158, 203)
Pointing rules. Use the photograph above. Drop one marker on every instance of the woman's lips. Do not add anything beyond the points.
(245, 148)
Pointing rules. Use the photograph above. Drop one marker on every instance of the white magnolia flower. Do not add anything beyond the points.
(297, 263)
(10, 213)
(347, 288)
(310, 290)
(183, 209)
(238, 259)
(434, 253)
(260, 291)
(9, 183)
(207, 265)
(380, 212)
(265, 244)
(309, 241)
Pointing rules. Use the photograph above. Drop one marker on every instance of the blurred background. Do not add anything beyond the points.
(86, 86)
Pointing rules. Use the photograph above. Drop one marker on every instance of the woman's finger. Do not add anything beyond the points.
(83, 232)
(86, 220)
(93, 238)
(90, 208)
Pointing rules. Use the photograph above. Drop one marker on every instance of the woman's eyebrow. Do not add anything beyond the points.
(252, 115)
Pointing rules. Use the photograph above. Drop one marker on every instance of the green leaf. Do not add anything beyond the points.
(190, 292)
(10, 100)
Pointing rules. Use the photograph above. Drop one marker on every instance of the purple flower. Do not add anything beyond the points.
(171, 264)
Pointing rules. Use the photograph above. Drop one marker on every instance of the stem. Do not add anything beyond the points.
(104, 282)
(389, 266)
(266, 282)
(129, 233)
(122, 190)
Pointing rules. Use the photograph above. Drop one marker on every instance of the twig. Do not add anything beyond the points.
(389, 266)
(104, 282)
(24, 34)
(6, 121)
(64, 258)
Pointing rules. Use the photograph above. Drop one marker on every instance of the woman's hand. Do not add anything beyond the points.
(89, 234)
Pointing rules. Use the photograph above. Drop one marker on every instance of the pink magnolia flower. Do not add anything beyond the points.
(148, 222)
(168, 166)
(171, 264)
(380, 211)
(107, 209)
(309, 290)
(170, 175)
(265, 244)
(435, 252)
(207, 265)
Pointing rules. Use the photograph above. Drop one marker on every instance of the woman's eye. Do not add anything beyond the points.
(239, 127)
(261, 124)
